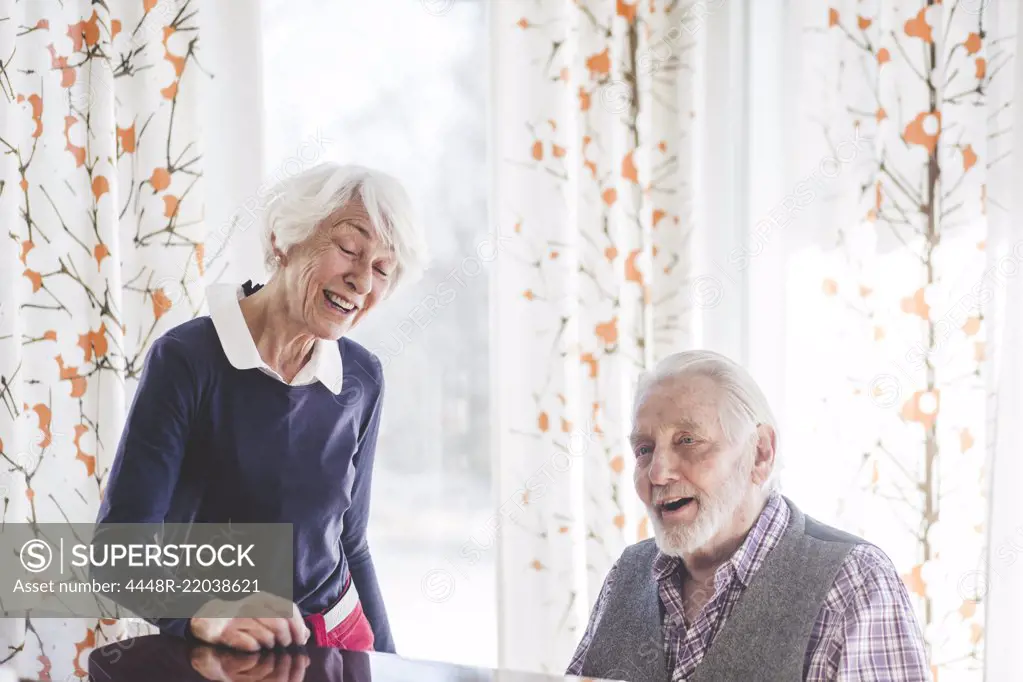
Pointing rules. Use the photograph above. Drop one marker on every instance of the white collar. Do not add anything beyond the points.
(324, 365)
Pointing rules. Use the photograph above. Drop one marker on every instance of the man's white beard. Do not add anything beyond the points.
(713, 514)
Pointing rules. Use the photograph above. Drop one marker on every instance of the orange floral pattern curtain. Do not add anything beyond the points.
(898, 303)
(101, 252)
(593, 154)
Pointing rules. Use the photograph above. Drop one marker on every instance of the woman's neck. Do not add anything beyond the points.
(281, 340)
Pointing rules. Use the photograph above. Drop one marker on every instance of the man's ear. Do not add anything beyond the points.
(763, 459)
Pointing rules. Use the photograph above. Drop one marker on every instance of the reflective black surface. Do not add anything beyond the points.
(159, 658)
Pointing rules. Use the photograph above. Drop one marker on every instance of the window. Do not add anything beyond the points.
(399, 85)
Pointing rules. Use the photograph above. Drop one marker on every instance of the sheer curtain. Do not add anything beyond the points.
(104, 203)
(1001, 587)
(901, 385)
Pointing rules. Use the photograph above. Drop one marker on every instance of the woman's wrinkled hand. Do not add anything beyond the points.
(244, 624)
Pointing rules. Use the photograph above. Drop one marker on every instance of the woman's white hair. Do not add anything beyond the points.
(744, 407)
(298, 204)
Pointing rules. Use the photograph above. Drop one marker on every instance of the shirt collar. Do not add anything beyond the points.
(324, 364)
(761, 539)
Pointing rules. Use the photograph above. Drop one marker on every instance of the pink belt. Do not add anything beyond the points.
(343, 625)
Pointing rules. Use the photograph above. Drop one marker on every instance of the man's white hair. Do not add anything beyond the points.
(298, 204)
(744, 406)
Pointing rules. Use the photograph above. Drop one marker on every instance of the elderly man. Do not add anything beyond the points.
(737, 584)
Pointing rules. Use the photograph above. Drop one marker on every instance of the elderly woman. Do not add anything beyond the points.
(265, 412)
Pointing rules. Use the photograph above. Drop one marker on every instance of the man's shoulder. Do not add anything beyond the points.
(632, 572)
(870, 560)
(636, 562)
(825, 533)
(867, 575)
(644, 550)
(865, 570)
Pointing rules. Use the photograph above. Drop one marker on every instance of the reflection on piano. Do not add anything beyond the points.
(161, 658)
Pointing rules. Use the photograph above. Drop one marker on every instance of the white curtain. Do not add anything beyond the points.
(104, 207)
(1002, 572)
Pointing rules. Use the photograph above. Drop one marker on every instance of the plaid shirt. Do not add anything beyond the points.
(865, 630)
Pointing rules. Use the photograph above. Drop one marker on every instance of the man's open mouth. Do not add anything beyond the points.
(674, 504)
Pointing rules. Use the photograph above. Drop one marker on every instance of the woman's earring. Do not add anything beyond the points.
(278, 259)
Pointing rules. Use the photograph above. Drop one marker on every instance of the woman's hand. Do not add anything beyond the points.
(235, 625)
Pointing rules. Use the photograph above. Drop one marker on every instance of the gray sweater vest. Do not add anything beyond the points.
(764, 638)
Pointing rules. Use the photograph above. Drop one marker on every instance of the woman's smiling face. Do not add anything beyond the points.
(339, 272)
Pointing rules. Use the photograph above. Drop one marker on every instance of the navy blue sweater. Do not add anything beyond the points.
(207, 443)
